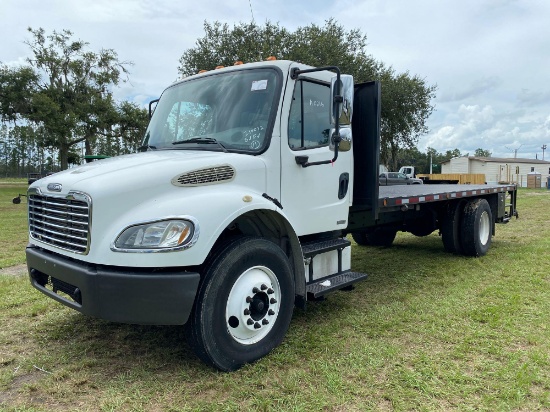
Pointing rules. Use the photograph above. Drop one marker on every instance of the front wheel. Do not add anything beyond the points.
(244, 304)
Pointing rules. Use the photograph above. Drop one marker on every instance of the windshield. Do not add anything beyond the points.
(231, 111)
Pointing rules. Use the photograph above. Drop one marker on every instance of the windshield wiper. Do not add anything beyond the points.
(207, 140)
(145, 147)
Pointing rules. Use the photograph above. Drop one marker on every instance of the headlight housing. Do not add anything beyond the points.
(157, 236)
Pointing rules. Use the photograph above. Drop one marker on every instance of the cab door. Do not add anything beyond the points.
(316, 198)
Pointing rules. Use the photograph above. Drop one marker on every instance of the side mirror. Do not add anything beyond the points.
(341, 103)
(345, 140)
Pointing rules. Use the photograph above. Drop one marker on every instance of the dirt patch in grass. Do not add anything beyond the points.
(17, 270)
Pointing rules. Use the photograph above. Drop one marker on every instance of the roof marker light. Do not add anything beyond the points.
(271, 58)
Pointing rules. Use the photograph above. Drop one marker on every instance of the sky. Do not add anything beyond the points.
(490, 59)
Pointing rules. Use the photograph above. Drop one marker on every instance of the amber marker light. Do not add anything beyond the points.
(202, 71)
(271, 58)
(183, 235)
(219, 67)
(238, 63)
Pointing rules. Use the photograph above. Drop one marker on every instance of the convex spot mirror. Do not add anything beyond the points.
(343, 111)
(345, 139)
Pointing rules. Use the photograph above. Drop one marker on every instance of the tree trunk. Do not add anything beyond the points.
(64, 155)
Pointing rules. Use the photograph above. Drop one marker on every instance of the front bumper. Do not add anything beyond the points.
(128, 295)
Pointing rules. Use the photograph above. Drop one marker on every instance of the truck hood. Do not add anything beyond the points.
(152, 171)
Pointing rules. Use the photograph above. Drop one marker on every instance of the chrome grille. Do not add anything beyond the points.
(63, 222)
(210, 175)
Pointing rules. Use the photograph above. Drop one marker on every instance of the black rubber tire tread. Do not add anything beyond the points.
(471, 217)
(450, 227)
(206, 330)
(380, 236)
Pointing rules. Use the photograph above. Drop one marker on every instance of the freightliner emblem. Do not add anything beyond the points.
(54, 187)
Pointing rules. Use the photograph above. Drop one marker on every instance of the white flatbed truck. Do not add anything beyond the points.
(237, 209)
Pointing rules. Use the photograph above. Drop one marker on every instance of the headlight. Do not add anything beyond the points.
(159, 236)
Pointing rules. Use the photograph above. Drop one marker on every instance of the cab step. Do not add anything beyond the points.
(315, 248)
(333, 283)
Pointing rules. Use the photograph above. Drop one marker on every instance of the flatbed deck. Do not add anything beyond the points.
(398, 195)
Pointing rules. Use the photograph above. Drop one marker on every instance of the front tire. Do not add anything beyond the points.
(476, 228)
(244, 304)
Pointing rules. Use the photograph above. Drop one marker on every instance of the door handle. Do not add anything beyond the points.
(343, 185)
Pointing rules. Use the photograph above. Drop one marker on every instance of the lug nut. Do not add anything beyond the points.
(246, 312)
(273, 300)
(270, 291)
(257, 325)
(255, 290)
(264, 286)
(265, 322)
(248, 299)
(271, 312)
(249, 322)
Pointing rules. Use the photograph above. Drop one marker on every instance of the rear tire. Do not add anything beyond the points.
(476, 228)
(450, 227)
(244, 304)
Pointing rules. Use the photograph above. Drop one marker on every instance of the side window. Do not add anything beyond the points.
(309, 120)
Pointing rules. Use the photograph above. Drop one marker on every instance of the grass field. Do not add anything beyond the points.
(13, 223)
(426, 331)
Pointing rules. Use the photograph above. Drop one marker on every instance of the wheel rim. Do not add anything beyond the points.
(253, 305)
(484, 228)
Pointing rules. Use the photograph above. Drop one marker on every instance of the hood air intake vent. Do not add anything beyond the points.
(207, 176)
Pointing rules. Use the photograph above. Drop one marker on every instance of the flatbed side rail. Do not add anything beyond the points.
(399, 201)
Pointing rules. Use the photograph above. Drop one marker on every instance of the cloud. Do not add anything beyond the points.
(478, 87)
(530, 98)
(497, 130)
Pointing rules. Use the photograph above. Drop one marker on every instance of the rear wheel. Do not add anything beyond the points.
(476, 228)
(244, 304)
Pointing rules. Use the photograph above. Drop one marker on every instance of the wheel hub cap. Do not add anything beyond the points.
(253, 305)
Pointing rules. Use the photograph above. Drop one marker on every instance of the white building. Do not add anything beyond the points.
(497, 169)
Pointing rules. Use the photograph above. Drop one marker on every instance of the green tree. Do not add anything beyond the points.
(482, 153)
(406, 99)
(17, 86)
(66, 90)
(74, 91)
(406, 105)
